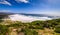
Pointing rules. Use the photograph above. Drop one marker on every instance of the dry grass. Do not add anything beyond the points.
(47, 32)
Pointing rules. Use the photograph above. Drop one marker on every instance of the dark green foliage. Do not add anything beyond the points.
(14, 25)
(28, 28)
(3, 29)
(30, 32)
(57, 29)
(18, 24)
(1, 20)
(37, 25)
(51, 23)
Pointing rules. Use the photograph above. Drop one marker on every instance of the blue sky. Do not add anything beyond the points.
(31, 6)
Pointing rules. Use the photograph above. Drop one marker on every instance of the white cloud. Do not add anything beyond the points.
(5, 2)
(23, 18)
(25, 1)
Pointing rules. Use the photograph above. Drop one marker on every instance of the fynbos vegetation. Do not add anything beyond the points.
(51, 27)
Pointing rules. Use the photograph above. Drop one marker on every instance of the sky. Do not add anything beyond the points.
(31, 6)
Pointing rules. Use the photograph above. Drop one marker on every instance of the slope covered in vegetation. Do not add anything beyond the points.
(49, 27)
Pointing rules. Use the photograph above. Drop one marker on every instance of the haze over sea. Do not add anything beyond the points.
(31, 17)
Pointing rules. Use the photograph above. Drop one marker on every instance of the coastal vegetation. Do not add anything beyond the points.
(48, 27)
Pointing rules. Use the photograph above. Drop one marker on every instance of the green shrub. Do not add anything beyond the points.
(30, 32)
(3, 29)
(57, 29)
(37, 25)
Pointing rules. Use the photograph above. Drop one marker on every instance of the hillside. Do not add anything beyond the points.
(5, 14)
(49, 27)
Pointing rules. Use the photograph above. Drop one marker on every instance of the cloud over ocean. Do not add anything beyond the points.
(24, 18)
